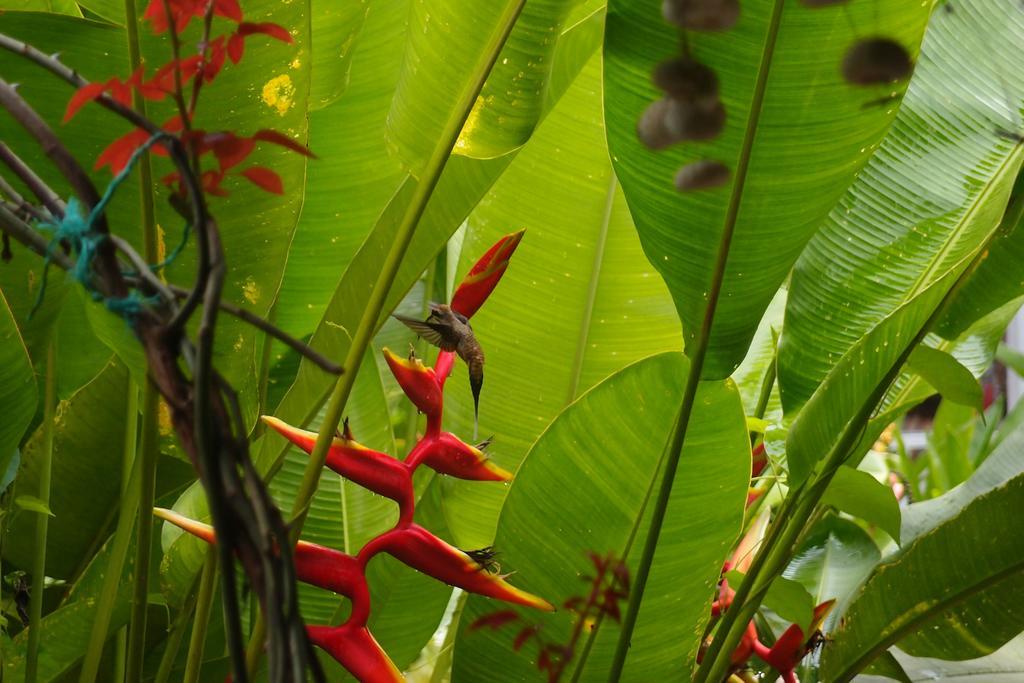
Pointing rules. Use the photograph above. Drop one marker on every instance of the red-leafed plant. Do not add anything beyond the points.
(608, 586)
(351, 644)
(227, 148)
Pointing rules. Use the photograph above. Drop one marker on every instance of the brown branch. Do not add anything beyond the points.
(33, 182)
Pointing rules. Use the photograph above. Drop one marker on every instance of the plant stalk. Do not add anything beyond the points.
(204, 602)
(149, 449)
(375, 305)
(119, 545)
(175, 636)
(35, 607)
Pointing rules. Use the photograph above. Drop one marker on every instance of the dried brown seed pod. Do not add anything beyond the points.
(875, 61)
(701, 15)
(686, 78)
(652, 130)
(689, 120)
(702, 175)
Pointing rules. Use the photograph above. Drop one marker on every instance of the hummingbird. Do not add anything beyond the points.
(450, 331)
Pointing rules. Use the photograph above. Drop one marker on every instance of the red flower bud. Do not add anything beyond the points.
(421, 550)
(314, 564)
(447, 454)
(792, 645)
(758, 460)
(419, 383)
(355, 648)
(370, 469)
(483, 277)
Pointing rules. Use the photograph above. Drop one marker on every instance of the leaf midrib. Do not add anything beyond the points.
(595, 278)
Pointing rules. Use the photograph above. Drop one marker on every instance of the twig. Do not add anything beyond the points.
(14, 226)
(34, 183)
(276, 332)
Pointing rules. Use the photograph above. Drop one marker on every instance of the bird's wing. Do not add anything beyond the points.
(423, 329)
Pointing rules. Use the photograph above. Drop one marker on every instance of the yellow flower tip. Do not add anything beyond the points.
(500, 472)
(414, 364)
(203, 531)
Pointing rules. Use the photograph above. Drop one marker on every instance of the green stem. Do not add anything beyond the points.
(263, 380)
(378, 296)
(675, 446)
(119, 546)
(175, 636)
(203, 604)
(35, 607)
(149, 450)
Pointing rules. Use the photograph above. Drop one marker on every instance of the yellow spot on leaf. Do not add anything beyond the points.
(279, 93)
(296, 63)
(251, 290)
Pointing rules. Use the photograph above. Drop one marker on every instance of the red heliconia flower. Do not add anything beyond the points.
(447, 454)
(483, 277)
(758, 460)
(315, 564)
(792, 645)
(423, 551)
(420, 384)
(370, 469)
(355, 648)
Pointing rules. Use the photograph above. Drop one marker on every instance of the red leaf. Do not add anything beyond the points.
(494, 620)
(236, 47)
(266, 28)
(229, 149)
(87, 93)
(117, 153)
(274, 137)
(264, 178)
(228, 9)
(524, 636)
(211, 181)
(215, 61)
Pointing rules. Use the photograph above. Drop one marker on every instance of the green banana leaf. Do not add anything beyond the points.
(68, 7)
(795, 138)
(989, 288)
(953, 589)
(18, 392)
(1005, 665)
(64, 632)
(603, 306)
(857, 381)
(583, 489)
(836, 557)
(354, 175)
(435, 67)
(85, 477)
(923, 202)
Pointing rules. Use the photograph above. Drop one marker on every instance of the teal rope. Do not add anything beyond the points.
(77, 230)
